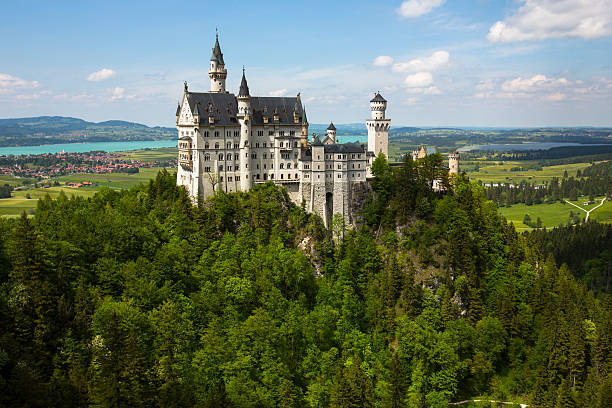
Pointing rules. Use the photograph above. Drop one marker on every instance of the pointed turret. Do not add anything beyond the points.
(331, 132)
(178, 109)
(244, 87)
(217, 55)
(217, 72)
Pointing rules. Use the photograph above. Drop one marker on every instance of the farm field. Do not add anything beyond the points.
(499, 172)
(14, 206)
(552, 215)
(162, 154)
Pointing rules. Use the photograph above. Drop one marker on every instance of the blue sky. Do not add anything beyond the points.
(437, 62)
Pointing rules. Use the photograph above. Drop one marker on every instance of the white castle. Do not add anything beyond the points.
(230, 143)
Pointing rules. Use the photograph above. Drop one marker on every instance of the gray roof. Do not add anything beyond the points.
(344, 148)
(331, 126)
(224, 108)
(178, 110)
(378, 98)
(317, 141)
(244, 87)
(284, 106)
(217, 55)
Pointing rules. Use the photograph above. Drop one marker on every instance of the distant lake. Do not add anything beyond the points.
(521, 146)
(350, 138)
(87, 147)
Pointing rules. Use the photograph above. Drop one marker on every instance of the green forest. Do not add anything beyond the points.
(137, 298)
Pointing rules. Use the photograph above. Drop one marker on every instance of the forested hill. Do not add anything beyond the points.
(138, 299)
(59, 129)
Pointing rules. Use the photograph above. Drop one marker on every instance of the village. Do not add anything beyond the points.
(48, 165)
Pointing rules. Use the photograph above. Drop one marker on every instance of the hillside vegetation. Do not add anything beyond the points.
(58, 129)
(137, 298)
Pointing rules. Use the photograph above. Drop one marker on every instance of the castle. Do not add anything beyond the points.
(232, 142)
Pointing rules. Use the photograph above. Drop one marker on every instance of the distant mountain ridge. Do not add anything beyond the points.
(61, 129)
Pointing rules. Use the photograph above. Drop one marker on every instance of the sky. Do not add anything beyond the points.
(507, 63)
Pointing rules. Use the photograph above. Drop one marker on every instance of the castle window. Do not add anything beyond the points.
(257, 166)
(235, 145)
(339, 175)
(221, 179)
(281, 133)
(265, 155)
(229, 145)
(206, 146)
(270, 133)
(229, 168)
(282, 176)
(216, 145)
(296, 175)
(264, 166)
(264, 144)
(318, 176)
(359, 156)
(206, 133)
(236, 133)
(257, 144)
(353, 165)
(229, 156)
(229, 179)
(281, 144)
(292, 133)
(228, 133)
(282, 166)
(220, 156)
(206, 157)
(295, 155)
(339, 167)
(257, 176)
(207, 169)
(288, 165)
(221, 168)
(216, 133)
(253, 155)
(260, 133)
(288, 176)
(358, 166)
(339, 157)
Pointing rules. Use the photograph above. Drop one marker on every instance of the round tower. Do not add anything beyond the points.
(331, 132)
(453, 163)
(378, 126)
(244, 118)
(217, 72)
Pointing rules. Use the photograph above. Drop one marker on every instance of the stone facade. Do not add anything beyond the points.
(232, 142)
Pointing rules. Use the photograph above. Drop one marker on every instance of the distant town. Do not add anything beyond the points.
(49, 165)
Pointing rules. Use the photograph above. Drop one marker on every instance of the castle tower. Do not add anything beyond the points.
(244, 118)
(217, 72)
(331, 132)
(453, 163)
(378, 126)
(304, 134)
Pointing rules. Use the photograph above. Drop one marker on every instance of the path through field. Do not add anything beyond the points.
(587, 212)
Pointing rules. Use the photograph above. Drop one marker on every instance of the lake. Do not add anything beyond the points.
(87, 147)
(119, 146)
(521, 146)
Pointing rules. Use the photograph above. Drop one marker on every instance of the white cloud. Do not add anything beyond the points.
(485, 85)
(436, 60)
(533, 84)
(555, 97)
(279, 92)
(101, 75)
(117, 93)
(418, 80)
(382, 61)
(541, 19)
(9, 84)
(417, 8)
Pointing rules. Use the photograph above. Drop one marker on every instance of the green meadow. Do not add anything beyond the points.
(553, 215)
(18, 203)
(499, 172)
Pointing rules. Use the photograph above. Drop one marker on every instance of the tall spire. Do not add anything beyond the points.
(244, 88)
(217, 55)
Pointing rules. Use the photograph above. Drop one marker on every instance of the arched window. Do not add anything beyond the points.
(220, 156)
(206, 145)
(282, 166)
(288, 165)
(216, 145)
(206, 157)
(229, 156)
